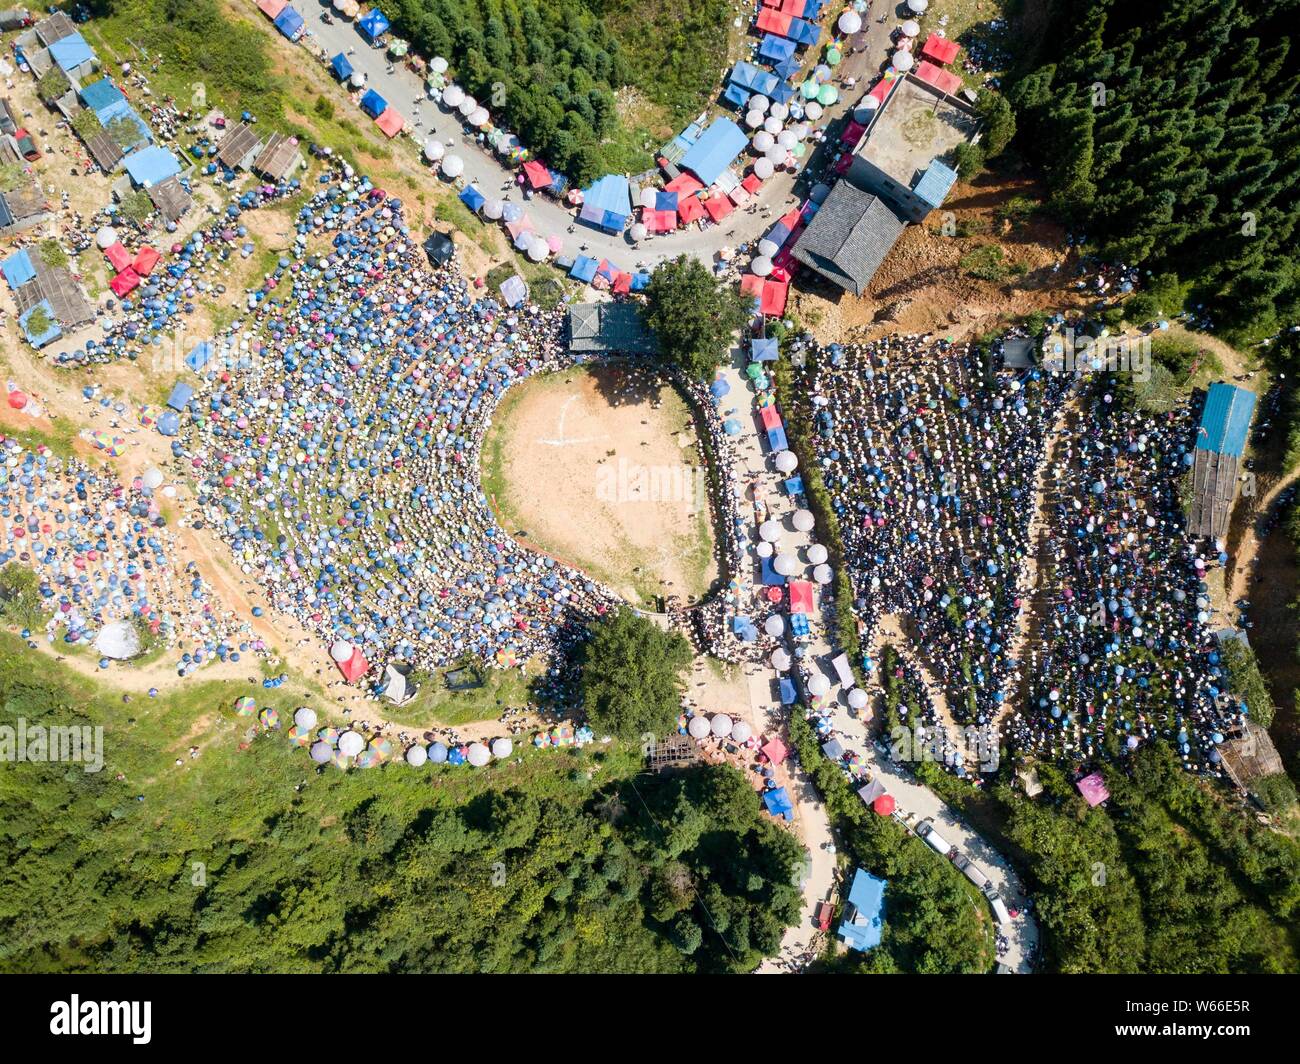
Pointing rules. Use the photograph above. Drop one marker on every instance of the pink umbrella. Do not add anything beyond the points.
(554, 243)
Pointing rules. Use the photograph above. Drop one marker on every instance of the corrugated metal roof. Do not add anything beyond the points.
(935, 184)
(1226, 419)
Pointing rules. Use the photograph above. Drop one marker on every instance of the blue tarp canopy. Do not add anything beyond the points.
(149, 166)
(776, 48)
(782, 93)
(776, 439)
(373, 25)
(52, 331)
(289, 22)
(753, 78)
(169, 423)
(472, 197)
(584, 268)
(71, 52)
(764, 350)
(373, 104)
(803, 32)
(514, 291)
(199, 355)
(99, 95)
(181, 396)
(936, 183)
(341, 67)
(639, 281)
(865, 912)
(716, 150)
(794, 486)
(743, 629)
(719, 388)
(788, 694)
(1226, 420)
(736, 94)
(18, 269)
(771, 578)
(665, 201)
(778, 803)
(122, 109)
(611, 197)
(786, 68)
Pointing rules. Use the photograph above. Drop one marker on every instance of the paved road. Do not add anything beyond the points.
(405, 91)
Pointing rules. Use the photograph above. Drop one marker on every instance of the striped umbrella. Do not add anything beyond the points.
(329, 735)
(300, 736)
(245, 705)
(382, 750)
(270, 717)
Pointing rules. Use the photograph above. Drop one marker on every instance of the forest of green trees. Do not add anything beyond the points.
(550, 68)
(1170, 137)
(251, 860)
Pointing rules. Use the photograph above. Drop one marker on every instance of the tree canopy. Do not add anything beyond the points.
(631, 676)
(694, 315)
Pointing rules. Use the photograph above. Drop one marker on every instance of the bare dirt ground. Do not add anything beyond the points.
(596, 469)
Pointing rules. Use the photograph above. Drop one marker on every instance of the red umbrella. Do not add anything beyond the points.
(884, 805)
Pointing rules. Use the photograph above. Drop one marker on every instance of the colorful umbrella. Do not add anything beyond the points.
(328, 735)
(270, 717)
(245, 705)
(382, 749)
(300, 736)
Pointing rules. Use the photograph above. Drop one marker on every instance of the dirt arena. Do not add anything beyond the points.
(598, 468)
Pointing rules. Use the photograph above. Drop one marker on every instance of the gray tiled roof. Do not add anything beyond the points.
(849, 237)
(609, 327)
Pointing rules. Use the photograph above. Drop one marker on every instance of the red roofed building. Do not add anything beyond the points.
(718, 207)
(944, 80)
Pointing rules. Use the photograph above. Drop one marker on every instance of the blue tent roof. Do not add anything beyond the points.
(865, 913)
(71, 52)
(736, 94)
(794, 486)
(748, 76)
(778, 803)
(788, 694)
(786, 68)
(935, 183)
(289, 22)
(584, 268)
(373, 24)
(716, 149)
(776, 439)
(18, 269)
(514, 291)
(181, 396)
(770, 577)
(776, 48)
(148, 166)
(472, 197)
(743, 629)
(341, 67)
(639, 281)
(764, 350)
(122, 109)
(199, 355)
(803, 32)
(373, 104)
(169, 423)
(99, 95)
(1226, 420)
(611, 195)
(53, 332)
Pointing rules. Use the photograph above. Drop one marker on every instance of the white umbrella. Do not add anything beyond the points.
(774, 626)
(106, 236)
(467, 105)
(780, 660)
(439, 65)
(780, 111)
(763, 168)
(902, 61)
(759, 103)
(304, 717)
(453, 166)
(648, 198)
(434, 150)
(638, 231)
(822, 574)
(452, 95)
(767, 247)
(152, 478)
(785, 564)
(761, 266)
(763, 140)
(858, 698)
(804, 520)
(787, 139)
(764, 550)
(850, 22)
(721, 725)
(698, 727)
(819, 685)
(477, 755)
(917, 7)
(769, 531)
(479, 117)
(358, 79)
(816, 554)
(772, 124)
(341, 650)
(321, 752)
(753, 119)
(786, 461)
(777, 155)
(351, 743)
(911, 28)
(502, 748)
(493, 209)
(417, 756)
(813, 110)
(741, 731)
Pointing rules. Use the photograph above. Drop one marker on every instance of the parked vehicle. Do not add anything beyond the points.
(934, 840)
(999, 908)
(970, 870)
(27, 145)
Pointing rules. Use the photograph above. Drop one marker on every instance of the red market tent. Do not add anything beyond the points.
(752, 184)
(537, 175)
(623, 283)
(659, 221)
(775, 294)
(794, 8)
(801, 596)
(774, 22)
(941, 49)
(124, 282)
(690, 210)
(852, 133)
(943, 80)
(718, 207)
(355, 667)
(771, 419)
(118, 257)
(145, 261)
(775, 751)
(752, 285)
(272, 8)
(684, 184)
(391, 122)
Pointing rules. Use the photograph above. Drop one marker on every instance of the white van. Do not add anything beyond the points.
(934, 840)
(999, 908)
